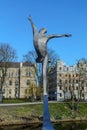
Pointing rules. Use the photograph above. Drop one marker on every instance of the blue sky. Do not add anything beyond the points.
(58, 16)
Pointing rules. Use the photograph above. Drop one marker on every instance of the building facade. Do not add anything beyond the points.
(66, 82)
(20, 77)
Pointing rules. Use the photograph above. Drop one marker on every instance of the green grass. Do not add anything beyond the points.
(57, 111)
(15, 100)
(63, 111)
(83, 109)
(60, 110)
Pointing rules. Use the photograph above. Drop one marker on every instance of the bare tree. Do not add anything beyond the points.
(82, 67)
(31, 57)
(7, 55)
(53, 57)
(30, 92)
(39, 93)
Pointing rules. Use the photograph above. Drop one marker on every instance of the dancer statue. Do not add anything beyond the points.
(40, 43)
(40, 40)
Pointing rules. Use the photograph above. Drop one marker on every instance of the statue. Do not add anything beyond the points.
(40, 43)
(40, 40)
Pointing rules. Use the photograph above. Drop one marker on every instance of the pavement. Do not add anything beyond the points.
(21, 104)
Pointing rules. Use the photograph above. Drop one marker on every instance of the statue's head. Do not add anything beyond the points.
(43, 31)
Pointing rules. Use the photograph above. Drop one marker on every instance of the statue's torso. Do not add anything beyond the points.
(40, 43)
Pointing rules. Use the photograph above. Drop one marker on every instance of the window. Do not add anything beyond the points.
(67, 68)
(28, 82)
(76, 81)
(15, 90)
(69, 87)
(9, 91)
(73, 75)
(60, 68)
(82, 94)
(3, 90)
(60, 87)
(10, 82)
(82, 88)
(12, 74)
(76, 75)
(65, 81)
(65, 75)
(76, 88)
(66, 88)
(9, 75)
(82, 81)
(69, 81)
(73, 81)
(17, 74)
(60, 94)
(60, 75)
(60, 81)
(16, 83)
(28, 74)
(69, 75)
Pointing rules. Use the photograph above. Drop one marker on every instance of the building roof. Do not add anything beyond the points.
(17, 64)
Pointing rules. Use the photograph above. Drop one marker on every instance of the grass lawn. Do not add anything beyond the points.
(15, 100)
(57, 111)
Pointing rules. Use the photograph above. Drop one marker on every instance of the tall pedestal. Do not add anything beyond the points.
(47, 125)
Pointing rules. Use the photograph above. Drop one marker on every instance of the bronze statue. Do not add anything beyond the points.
(40, 40)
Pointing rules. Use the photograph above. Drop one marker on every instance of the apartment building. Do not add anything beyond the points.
(66, 82)
(19, 78)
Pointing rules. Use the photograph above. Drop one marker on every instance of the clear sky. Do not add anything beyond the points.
(58, 16)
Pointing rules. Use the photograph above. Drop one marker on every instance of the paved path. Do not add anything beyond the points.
(30, 103)
(21, 104)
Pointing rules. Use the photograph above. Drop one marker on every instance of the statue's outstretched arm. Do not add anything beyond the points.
(32, 24)
(59, 35)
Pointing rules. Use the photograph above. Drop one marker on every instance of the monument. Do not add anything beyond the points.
(40, 41)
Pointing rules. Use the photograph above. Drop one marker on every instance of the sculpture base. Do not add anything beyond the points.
(47, 125)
